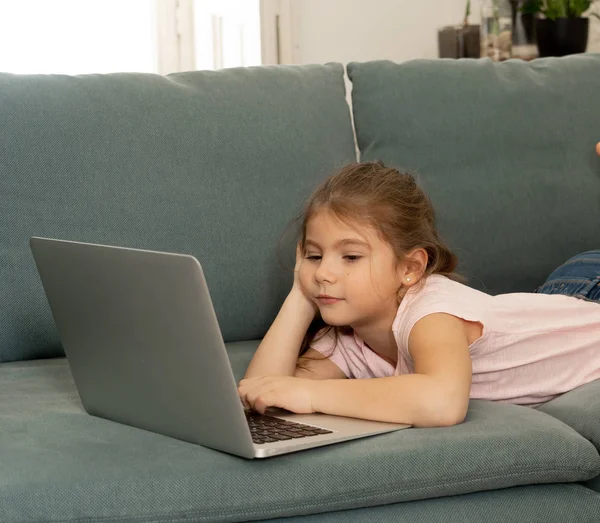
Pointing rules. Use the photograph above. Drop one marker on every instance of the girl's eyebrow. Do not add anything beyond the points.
(345, 241)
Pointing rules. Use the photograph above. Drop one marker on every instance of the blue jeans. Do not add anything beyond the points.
(579, 276)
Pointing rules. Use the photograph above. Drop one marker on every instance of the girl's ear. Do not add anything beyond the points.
(415, 264)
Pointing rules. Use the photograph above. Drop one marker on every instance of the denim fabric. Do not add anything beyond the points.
(579, 276)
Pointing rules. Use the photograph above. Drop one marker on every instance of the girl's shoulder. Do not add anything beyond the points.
(440, 287)
(434, 294)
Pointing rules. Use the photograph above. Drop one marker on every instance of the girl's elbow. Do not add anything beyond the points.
(451, 419)
(444, 414)
(452, 413)
(442, 420)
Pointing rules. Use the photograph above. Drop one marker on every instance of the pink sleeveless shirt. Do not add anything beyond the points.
(534, 347)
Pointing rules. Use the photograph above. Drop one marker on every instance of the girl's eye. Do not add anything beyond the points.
(348, 257)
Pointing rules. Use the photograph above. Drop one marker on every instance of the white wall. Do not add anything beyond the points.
(361, 30)
(594, 39)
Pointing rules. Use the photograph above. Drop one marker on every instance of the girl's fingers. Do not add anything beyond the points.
(261, 406)
(248, 399)
(243, 397)
(251, 391)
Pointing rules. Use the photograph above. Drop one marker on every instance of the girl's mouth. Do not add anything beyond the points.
(327, 300)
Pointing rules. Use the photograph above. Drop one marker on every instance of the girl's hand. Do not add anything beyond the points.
(287, 392)
(598, 148)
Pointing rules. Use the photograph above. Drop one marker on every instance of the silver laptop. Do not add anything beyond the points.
(142, 340)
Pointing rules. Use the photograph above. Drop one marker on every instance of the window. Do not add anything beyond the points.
(78, 36)
(154, 36)
(227, 33)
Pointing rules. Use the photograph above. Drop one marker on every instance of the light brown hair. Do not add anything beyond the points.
(391, 203)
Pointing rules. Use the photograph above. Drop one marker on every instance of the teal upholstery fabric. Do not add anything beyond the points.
(66, 465)
(213, 164)
(593, 483)
(504, 150)
(580, 409)
(534, 504)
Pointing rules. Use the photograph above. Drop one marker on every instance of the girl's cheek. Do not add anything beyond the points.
(304, 275)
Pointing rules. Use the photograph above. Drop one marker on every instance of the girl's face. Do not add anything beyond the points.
(354, 266)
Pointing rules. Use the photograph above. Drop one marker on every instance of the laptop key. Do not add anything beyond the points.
(264, 426)
(308, 433)
(264, 440)
(279, 436)
(291, 434)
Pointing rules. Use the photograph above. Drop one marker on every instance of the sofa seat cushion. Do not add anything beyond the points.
(580, 409)
(540, 503)
(67, 465)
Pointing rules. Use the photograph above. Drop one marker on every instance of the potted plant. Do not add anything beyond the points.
(459, 41)
(563, 29)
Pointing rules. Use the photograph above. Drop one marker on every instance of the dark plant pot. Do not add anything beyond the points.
(527, 21)
(529, 26)
(562, 36)
(458, 42)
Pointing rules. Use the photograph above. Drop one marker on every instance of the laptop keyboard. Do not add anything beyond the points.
(267, 429)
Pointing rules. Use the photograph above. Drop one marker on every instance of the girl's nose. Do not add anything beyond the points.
(324, 273)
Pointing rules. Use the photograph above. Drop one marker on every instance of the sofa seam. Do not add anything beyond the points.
(339, 499)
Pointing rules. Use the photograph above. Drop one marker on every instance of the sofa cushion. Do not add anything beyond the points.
(67, 465)
(504, 150)
(535, 503)
(209, 163)
(580, 409)
(593, 483)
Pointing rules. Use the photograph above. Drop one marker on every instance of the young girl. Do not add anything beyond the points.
(375, 298)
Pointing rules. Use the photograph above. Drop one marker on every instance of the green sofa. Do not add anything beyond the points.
(217, 164)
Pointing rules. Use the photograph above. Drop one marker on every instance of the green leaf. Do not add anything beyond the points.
(556, 9)
(576, 8)
(532, 7)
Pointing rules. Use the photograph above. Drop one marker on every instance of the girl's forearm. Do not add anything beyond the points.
(415, 399)
(277, 353)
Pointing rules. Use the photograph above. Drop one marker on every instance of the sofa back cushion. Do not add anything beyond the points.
(211, 163)
(504, 150)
